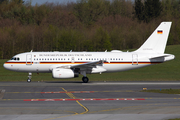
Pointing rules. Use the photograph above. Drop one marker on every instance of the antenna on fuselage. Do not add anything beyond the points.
(31, 50)
(70, 50)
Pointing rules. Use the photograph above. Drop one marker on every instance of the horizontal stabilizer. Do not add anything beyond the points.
(159, 56)
(166, 57)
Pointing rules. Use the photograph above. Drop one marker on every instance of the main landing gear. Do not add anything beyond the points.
(29, 78)
(85, 79)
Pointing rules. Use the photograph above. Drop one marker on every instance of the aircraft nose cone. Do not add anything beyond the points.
(9, 66)
(6, 66)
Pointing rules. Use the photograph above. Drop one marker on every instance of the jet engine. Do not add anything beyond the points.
(64, 73)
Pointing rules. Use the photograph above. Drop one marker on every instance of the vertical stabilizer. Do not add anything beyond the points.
(156, 43)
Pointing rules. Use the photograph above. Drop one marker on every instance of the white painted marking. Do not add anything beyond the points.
(132, 83)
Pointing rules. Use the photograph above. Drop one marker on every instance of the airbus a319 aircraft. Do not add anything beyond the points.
(71, 64)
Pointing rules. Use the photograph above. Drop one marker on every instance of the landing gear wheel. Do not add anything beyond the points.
(85, 79)
(28, 80)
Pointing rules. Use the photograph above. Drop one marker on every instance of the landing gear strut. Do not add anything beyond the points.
(85, 79)
(29, 78)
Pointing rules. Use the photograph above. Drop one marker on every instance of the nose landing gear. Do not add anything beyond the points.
(29, 78)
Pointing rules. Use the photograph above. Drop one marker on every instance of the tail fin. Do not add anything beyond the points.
(156, 43)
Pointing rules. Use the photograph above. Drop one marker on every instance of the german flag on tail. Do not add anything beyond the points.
(159, 32)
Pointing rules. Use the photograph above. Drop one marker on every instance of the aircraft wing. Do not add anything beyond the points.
(84, 66)
(88, 65)
(92, 67)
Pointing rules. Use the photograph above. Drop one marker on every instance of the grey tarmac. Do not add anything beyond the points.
(90, 101)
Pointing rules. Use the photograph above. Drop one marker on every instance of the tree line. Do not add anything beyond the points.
(85, 25)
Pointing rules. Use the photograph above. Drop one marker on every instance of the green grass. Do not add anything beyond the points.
(166, 91)
(168, 71)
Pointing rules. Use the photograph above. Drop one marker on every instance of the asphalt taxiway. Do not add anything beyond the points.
(94, 100)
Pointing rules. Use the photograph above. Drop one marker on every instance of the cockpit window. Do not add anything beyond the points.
(14, 58)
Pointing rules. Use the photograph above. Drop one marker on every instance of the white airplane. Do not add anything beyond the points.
(71, 64)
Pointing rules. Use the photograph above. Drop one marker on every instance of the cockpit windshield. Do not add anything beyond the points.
(12, 58)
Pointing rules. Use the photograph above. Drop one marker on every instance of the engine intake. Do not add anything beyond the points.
(64, 73)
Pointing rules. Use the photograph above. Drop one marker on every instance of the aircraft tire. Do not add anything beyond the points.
(28, 80)
(85, 79)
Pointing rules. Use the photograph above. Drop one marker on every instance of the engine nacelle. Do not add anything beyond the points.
(64, 73)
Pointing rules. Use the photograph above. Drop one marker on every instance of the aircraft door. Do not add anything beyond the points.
(134, 59)
(28, 59)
